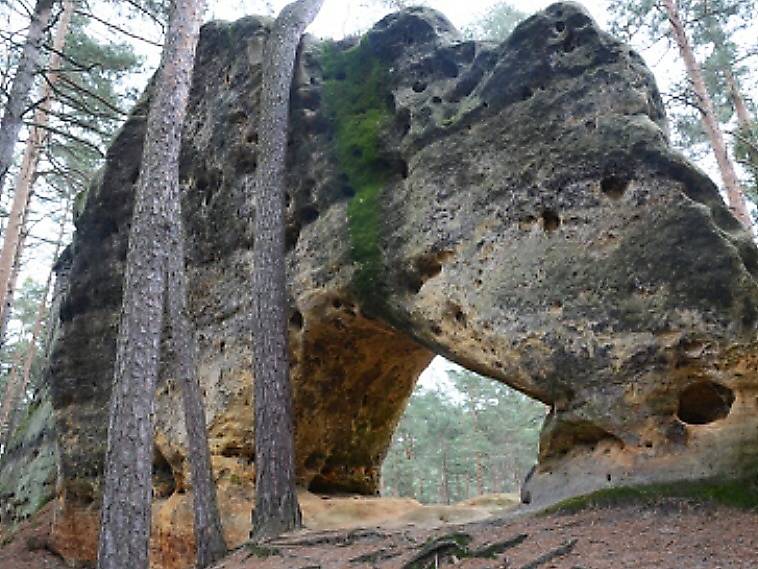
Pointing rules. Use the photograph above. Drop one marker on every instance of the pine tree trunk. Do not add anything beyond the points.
(18, 383)
(744, 120)
(445, 478)
(209, 536)
(276, 506)
(735, 195)
(28, 173)
(10, 292)
(19, 95)
(126, 503)
(8, 404)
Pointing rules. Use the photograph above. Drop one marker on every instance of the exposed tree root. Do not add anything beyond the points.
(564, 549)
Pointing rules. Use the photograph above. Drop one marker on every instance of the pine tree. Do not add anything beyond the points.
(126, 503)
(276, 506)
(19, 97)
(28, 172)
(679, 21)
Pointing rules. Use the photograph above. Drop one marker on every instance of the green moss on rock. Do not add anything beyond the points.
(741, 494)
(356, 97)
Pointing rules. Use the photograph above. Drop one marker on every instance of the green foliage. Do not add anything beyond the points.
(355, 93)
(478, 436)
(742, 494)
(496, 24)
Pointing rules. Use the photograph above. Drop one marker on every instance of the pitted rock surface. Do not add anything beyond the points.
(515, 208)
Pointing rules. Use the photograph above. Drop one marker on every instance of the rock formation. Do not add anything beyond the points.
(515, 208)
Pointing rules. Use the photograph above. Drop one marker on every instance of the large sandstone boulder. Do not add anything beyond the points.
(515, 208)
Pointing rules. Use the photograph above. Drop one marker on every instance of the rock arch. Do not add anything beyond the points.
(515, 208)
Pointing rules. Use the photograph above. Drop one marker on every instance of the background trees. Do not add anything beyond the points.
(476, 437)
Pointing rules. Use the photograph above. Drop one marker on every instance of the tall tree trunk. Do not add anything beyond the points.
(744, 120)
(19, 96)
(445, 477)
(735, 195)
(209, 536)
(7, 405)
(126, 503)
(10, 292)
(276, 506)
(28, 173)
(10, 408)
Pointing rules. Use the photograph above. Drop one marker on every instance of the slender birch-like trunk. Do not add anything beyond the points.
(21, 88)
(209, 537)
(276, 505)
(126, 504)
(28, 173)
(734, 192)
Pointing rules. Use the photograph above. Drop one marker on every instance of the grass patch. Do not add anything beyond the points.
(741, 494)
(356, 103)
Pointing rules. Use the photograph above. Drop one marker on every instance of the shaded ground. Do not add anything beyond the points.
(671, 534)
(674, 534)
(27, 548)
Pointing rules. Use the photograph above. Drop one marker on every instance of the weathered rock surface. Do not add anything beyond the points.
(515, 208)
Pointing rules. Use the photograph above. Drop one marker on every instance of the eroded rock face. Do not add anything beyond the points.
(515, 208)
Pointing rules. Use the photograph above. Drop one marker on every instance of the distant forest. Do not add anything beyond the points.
(475, 437)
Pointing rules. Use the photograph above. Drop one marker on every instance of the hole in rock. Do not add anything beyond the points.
(614, 187)
(296, 320)
(704, 402)
(164, 483)
(432, 457)
(419, 87)
(550, 220)
(308, 214)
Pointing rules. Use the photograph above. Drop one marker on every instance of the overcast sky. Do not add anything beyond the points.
(341, 17)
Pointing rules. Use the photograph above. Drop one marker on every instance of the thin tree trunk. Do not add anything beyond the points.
(735, 195)
(19, 96)
(276, 506)
(209, 536)
(10, 293)
(10, 407)
(7, 405)
(126, 503)
(28, 173)
(744, 120)
(445, 477)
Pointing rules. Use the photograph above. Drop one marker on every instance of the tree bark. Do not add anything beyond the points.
(17, 384)
(734, 192)
(276, 507)
(126, 503)
(209, 538)
(12, 281)
(744, 120)
(28, 172)
(19, 95)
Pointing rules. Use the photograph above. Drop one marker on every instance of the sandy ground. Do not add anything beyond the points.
(672, 535)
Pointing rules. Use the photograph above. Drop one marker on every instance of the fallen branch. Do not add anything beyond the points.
(490, 550)
(375, 556)
(564, 549)
(440, 548)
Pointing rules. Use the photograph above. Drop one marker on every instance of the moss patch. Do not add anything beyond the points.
(742, 494)
(356, 103)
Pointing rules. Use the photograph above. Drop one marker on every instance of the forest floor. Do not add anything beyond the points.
(673, 533)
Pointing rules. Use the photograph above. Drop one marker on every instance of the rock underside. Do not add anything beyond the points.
(515, 207)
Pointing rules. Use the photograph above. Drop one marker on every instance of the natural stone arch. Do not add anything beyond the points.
(531, 223)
